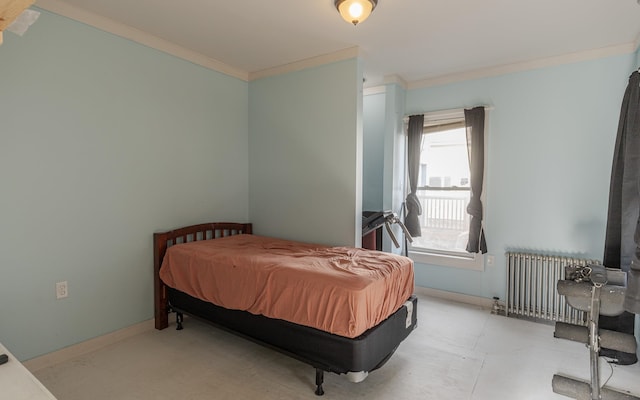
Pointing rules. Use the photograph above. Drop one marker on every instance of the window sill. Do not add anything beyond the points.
(474, 262)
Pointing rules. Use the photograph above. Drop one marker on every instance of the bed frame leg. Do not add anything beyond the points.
(179, 319)
(319, 381)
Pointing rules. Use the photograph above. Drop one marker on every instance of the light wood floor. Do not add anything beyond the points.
(457, 352)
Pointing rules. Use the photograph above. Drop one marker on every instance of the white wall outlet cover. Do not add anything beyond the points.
(62, 290)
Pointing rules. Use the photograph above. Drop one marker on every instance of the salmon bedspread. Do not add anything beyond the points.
(341, 290)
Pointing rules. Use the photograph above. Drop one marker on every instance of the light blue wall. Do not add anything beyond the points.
(305, 154)
(102, 142)
(550, 145)
(394, 160)
(374, 106)
(384, 155)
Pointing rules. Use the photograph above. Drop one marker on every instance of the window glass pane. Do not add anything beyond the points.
(443, 160)
(444, 192)
(444, 220)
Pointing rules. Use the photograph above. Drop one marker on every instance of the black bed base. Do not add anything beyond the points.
(324, 351)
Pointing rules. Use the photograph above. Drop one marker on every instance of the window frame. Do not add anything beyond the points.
(437, 121)
(474, 261)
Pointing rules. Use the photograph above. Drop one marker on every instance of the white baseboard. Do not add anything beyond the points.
(458, 297)
(88, 346)
(99, 342)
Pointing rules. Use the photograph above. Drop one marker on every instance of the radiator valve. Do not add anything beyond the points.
(497, 308)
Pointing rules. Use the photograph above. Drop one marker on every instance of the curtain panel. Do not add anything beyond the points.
(414, 147)
(474, 123)
(474, 126)
(622, 241)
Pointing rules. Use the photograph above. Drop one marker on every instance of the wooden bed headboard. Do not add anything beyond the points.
(162, 240)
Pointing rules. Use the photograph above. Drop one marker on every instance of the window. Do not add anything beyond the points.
(444, 192)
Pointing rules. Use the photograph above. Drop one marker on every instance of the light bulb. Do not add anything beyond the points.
(355, 10)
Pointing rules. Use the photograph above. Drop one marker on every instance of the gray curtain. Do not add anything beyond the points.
(622, 242)
(474, 122)
(414, 147)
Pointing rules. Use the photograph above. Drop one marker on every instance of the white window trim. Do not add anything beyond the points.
(468, 261)
(474, 261)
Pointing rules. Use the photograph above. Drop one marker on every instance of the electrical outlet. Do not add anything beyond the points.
(62, 290)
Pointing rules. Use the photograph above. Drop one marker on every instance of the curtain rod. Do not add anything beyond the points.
(449, 111)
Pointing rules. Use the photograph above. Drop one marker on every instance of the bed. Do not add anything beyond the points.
(289, 301)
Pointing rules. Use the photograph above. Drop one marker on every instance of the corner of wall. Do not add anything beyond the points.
(637, 47)
(394, 156)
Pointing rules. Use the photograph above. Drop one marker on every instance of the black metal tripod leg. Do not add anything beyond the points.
(319, 381)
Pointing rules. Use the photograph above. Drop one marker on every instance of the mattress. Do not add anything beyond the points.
(340, 290)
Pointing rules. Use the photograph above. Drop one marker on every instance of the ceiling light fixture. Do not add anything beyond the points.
(356, 11)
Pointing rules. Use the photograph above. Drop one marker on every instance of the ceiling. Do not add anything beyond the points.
(413, 40)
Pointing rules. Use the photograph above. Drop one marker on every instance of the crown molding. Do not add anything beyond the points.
(345, 54)
(154, 42)
(382, 87)
(146, 39)
(527, 65)
(138, 36)
(368, 91)
(395, 80)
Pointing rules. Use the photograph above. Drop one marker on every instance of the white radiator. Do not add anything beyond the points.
(531, 288)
